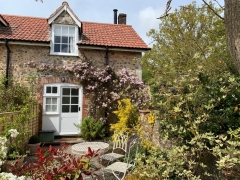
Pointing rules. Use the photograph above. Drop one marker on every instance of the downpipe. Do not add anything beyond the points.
(7, 62)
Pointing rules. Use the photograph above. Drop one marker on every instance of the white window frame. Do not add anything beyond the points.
(51, 95)
(75, 53)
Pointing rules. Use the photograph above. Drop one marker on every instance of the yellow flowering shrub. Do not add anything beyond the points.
(127, 115)
(129, 121)
(151, 118)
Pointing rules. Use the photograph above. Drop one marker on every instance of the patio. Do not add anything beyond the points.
(71, 141)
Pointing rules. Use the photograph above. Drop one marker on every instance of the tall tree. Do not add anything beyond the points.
(232, 26)
(186, 38)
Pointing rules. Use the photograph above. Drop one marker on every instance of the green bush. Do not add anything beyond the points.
(34, 139)
(91, 129)
(14, 153)
(14, 97)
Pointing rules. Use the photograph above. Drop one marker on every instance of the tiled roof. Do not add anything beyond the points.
(3, 21)
(115, 35)
(58, 9)
(25, 28)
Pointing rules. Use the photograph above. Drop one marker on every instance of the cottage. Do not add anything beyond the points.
(62, 39)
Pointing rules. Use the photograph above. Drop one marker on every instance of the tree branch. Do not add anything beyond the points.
(210, 7)
(168, 8)
(219, 4)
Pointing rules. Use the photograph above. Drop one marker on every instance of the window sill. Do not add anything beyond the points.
(64, 54)
(51, 113)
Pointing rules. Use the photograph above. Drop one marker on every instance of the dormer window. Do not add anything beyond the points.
(64, 40)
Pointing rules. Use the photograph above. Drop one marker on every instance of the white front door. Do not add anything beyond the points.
(70, 109)
(62, 105)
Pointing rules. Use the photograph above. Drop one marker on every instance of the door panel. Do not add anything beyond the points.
(69, 109)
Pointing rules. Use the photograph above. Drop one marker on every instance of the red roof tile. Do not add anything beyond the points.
(3, 21)
(115, 35)
(25, 28)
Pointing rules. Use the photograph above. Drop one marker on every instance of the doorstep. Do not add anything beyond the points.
(67, 140)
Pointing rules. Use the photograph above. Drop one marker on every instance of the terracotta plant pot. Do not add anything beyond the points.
(33, 148)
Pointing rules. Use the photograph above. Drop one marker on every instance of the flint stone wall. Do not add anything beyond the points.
(21, 72)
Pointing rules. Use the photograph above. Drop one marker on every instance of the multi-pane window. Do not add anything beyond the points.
(64, 39)
(51, 102)
(58, 99)
(70, 100)
(51, 90)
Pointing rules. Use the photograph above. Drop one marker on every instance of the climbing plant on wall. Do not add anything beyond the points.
(102, 86)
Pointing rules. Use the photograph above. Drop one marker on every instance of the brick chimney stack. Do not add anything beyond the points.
(122, 18)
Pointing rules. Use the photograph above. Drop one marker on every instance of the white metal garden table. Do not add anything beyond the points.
(82, 148)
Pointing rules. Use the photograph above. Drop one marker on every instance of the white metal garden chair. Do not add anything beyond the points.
(120, 169)
(120, 142)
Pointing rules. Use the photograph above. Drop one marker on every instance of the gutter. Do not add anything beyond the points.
(30, 43)
(100, 47)
(7, 62)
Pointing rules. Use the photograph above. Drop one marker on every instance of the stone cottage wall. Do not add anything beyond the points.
(64, 18)
(118, 60)
(22, 54)
(151, 131)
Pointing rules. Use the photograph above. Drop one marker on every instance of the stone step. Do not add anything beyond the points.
(68, 140)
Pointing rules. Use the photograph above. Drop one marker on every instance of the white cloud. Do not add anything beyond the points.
(148, 17)
(148, 20)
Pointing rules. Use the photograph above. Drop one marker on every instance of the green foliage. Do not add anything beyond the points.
(196, 93)
(194, 160)
(34, 139)
(14, 97)
(14, 153)
(91, 129)
(200, 120)
(11, 145)
(17, 99)
(189, 37)
(212, 105)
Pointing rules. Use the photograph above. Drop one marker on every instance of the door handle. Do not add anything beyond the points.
(79, 108)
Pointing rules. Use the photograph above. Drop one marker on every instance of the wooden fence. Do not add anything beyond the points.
(29, 127)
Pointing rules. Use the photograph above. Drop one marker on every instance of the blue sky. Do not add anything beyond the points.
(141, 14)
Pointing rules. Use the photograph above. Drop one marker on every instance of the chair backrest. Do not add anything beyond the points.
(120, 141)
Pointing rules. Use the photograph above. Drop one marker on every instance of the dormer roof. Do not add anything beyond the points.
(64, 7)
(3, 21)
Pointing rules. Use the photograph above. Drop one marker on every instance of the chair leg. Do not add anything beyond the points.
(117, 175)
(103, 175)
